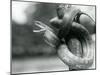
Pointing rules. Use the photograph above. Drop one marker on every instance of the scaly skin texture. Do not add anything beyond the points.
(74, 43)
(76, 52)
(78, 56)
(75, 47)
(81, 58)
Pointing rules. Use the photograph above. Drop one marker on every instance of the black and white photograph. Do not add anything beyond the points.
(52, 37)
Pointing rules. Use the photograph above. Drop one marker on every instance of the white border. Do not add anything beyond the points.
(5, 37)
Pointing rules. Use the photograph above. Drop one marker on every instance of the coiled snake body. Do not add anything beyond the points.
(73, 42)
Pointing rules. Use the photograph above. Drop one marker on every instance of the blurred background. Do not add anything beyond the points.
(29, 51)
(24, 41)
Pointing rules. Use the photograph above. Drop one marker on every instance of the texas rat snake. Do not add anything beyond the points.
(69, 31)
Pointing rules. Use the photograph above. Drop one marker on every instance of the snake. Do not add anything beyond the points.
(73, 42)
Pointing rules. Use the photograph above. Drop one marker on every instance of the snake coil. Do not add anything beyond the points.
(76, 30)
(71, 59)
